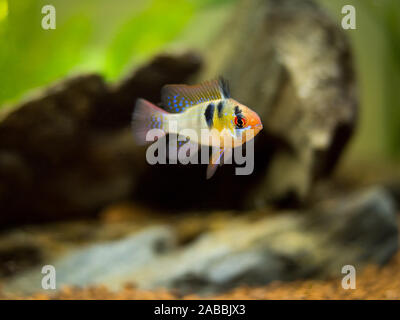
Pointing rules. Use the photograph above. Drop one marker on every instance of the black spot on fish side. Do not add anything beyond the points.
(220, 108)
(209, 114)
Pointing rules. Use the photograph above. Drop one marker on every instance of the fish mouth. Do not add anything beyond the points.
(258, 127)
(255, 123)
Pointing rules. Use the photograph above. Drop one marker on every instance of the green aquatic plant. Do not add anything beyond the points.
(101, 36)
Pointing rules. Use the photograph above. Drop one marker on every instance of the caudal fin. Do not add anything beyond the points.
(146, 116)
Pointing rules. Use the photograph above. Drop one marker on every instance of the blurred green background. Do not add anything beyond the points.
(376, 45)
(111, 37)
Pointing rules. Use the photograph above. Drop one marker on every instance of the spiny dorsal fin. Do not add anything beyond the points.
(177, 98)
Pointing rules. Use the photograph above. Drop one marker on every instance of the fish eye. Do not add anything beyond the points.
(240, 122)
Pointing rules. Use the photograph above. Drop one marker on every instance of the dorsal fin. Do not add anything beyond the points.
(177, 98)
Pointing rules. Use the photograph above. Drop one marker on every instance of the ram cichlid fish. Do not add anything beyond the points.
(203, 108)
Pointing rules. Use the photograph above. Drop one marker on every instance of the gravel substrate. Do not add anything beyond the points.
(372, 283)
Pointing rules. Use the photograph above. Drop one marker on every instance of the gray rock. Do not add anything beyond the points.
(358, 230)
(247, 250)
(289, 61)
(101, 263)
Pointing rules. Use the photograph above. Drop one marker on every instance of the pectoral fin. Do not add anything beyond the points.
(215, 160)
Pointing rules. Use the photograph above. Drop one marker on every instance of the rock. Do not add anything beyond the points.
(364, 219)
(68, 151)
(252, 249)
(102, 263)
(358, 230)
(292, 64)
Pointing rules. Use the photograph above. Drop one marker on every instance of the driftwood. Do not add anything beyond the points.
(69, 151)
